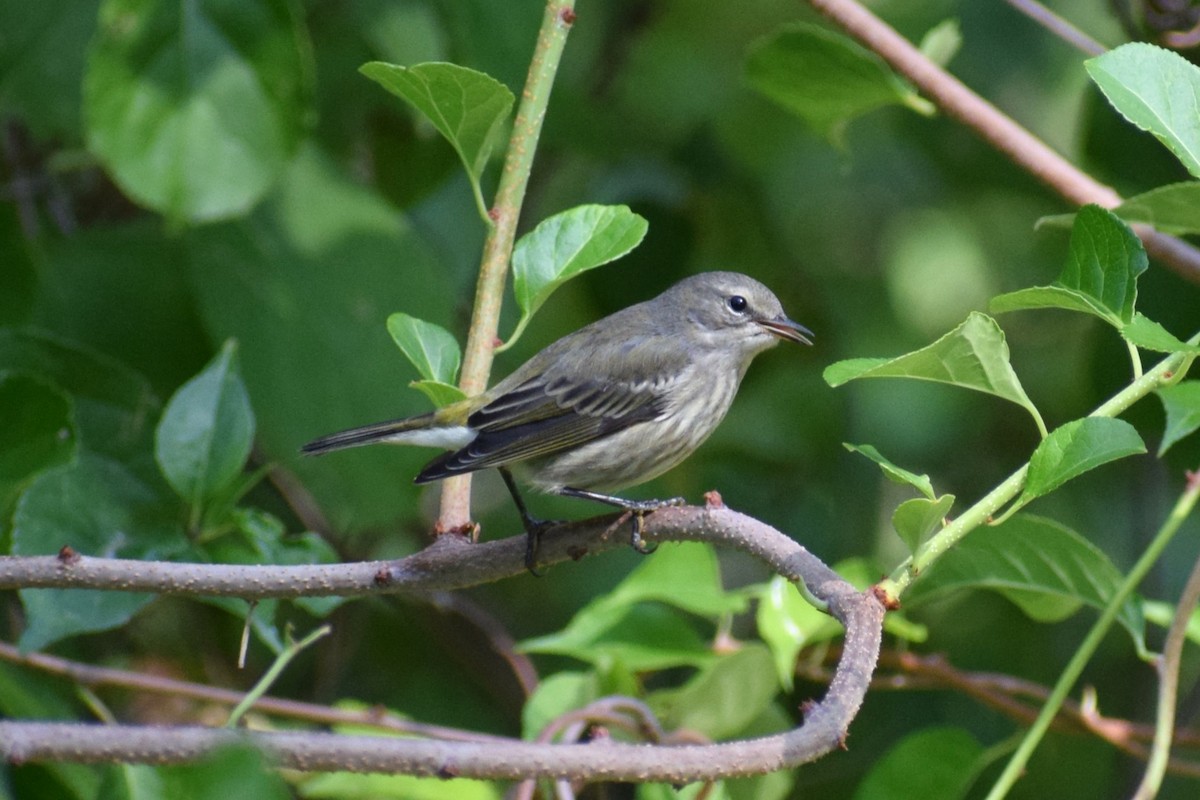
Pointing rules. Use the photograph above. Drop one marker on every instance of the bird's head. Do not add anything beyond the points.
(731, 308)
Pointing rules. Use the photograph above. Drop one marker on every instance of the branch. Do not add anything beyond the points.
(497, 249)
(450, 563)
(1168, 685)
(91, 676)
(1018, 699)
(993, 126)
(1058, 26)
(1016, 764)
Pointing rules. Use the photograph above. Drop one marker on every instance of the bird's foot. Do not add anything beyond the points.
(639, 509)
(534, 528)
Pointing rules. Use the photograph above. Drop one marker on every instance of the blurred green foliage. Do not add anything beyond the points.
(130, 255)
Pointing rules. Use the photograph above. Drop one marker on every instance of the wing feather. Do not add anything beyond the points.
(554, 403)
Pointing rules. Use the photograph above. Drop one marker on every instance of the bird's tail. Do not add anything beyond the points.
(390, 431)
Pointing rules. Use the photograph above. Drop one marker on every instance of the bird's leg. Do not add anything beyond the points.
(533, 526)
(639, 508)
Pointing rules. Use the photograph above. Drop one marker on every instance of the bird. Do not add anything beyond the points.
(612, 405)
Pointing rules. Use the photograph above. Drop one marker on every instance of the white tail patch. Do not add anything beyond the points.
(451, 438)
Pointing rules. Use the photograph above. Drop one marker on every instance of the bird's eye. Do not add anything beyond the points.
(737, 304)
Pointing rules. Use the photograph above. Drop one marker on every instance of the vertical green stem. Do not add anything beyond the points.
(1016, 765)
(497, 249)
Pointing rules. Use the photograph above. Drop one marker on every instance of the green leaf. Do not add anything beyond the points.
(633, 624)
(1149, 335)
(46, 100)
(788, 623)
(1047, 569)
(440, 394)
(642, 637)
(1051, 297)
(554, 696)
(939, 762)
(942, 42)
(206, 431)
(894, 473)
(1100, 276)
(974, 356)
(1157, 90)
(1105, 260)
(467, 107)
(1182, 404)
(825, 78)
(565, 245)
(258, 537)
(1173, 209)
(1075, 448)
(432, 349)
(227, 773)
(112, 404)
(98, 508)
(1162, 614)
(724, 697)
(916, 520)
(310, 346)
(685, 575)
(196, 108)
(39, 426)
(132, 782)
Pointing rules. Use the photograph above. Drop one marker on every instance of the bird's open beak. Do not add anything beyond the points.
(785, 328)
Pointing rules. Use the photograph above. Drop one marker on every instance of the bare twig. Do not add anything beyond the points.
(1002, 132)
(501, 641)
(1058, 26)
(444, 565)
(92, 676)
(1007, 694)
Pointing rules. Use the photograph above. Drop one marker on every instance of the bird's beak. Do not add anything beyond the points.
(785, 328)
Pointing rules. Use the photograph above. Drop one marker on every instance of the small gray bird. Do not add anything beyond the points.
(612, 405)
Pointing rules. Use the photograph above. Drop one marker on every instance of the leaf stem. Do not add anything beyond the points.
(1016, 765)
(1135, 359)
(480, 203)
(264, 683)
(497, 249)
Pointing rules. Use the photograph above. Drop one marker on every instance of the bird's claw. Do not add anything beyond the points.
(534, 528)
(635, 537)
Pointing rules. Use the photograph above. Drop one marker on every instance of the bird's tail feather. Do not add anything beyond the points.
(369, 434)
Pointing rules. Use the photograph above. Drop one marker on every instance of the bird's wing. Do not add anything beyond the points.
(557, 410)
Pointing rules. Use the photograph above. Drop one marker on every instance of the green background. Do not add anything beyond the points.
(879, 242)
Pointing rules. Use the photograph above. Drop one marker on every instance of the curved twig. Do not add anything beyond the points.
(446, 564)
